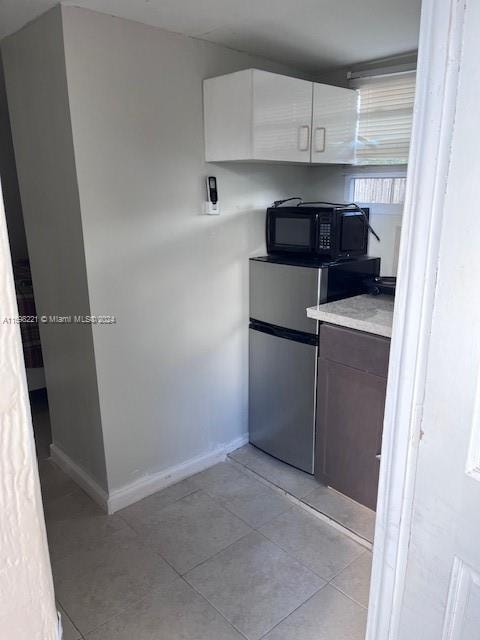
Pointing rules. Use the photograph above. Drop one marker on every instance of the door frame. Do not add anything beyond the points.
(28, 605)
(440, 50)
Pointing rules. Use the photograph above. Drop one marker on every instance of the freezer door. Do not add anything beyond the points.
(281, 293)
(282, 398)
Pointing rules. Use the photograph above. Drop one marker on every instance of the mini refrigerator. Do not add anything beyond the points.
(283, 348)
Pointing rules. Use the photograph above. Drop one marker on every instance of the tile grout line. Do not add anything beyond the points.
(217, 553)
(292, 612)
(224, 505)
(306, 507)
(57, 601)
(276, 624)
(151, 549)
(327, 584)
(105, 622)
(254, 530)
(362, 507)
(155, 551)
(350, 564)
(330, 584)
(151, 545)
(326, 580)
(119, 513)
(213, 606)
(257, 530)
(179, 575)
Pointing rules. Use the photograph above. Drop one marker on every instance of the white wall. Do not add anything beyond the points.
(172, 372)
(37, 94)
(118, 204)
(328, 182)
(8, 173)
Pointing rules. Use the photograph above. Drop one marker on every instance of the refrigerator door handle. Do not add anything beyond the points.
(282, 332)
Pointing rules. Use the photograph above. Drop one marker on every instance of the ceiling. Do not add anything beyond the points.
(310, 34)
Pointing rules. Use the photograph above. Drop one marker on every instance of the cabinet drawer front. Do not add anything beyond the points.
(350, 408)
(356, 349)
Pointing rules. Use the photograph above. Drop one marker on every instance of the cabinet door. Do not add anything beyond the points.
(282, 117)
(334, 124)
(350, 408)
(227, 116)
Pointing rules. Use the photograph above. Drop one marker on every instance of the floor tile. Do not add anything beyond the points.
(312, 542)
(53, 481)
(98, 582)
(69, 631)
(254, 584)
(75, 520)
(174, 613)
(348, 513)
(354, 581)
(329, 615)
(296, 482)
(241, 494)
(190, 530)
(146, 511)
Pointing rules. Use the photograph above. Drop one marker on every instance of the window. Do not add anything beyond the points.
(385, 113)
(380, 190)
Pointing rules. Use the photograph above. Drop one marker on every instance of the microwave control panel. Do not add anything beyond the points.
(324, 235)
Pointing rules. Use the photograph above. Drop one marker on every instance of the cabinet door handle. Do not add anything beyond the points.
(304, 138)
(320, 139)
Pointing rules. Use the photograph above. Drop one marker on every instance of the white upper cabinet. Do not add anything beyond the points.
(259, 116)
(227, 115)
(334, 124)
(282, 118)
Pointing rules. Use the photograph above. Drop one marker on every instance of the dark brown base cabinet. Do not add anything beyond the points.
(352, 378)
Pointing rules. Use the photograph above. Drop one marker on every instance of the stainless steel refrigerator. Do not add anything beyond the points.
(283, 349)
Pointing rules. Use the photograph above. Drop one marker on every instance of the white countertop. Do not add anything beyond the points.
(373, 314)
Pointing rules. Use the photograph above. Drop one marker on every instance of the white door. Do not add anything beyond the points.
(441, 598)
(334, 124)
(282, 117)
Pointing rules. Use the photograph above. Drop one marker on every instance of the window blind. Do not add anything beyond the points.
(387, 190)
(385, 112)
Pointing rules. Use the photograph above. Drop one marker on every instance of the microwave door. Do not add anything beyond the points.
(291, 232)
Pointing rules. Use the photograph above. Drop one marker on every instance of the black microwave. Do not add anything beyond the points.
(328, 232)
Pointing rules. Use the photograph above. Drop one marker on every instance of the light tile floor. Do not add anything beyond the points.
(220, 556)
(351, 515)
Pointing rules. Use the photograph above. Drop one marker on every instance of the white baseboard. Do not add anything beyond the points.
(79, 475)
(237, 443)
(143, 487)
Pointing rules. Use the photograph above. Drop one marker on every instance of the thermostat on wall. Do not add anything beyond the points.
(211, 205)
